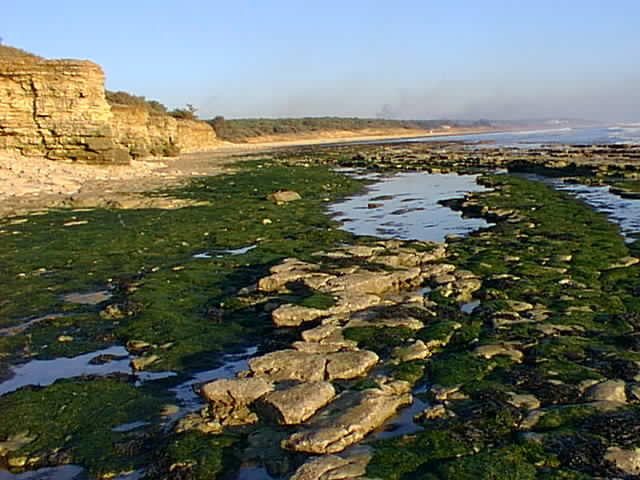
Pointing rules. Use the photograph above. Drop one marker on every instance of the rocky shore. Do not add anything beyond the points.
(519, 342)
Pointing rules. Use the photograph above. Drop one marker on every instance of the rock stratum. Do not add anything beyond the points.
(57, 109)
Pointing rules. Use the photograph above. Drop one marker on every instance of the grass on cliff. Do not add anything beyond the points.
(12, 52)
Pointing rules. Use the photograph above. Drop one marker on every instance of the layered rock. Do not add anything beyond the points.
(146, 133)
(57, 109)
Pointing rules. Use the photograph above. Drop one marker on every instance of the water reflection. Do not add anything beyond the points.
(624, 212)
(405, 206)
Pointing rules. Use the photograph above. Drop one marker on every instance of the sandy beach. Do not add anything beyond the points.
(31, 183)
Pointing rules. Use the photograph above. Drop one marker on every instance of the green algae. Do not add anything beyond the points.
(397, 457)
(564, 416)
(450, 369)
(513, 462)
(556, 255)
(183, 306)
(74, 420)
(196, 456)
(152, 252)
(381, 340)
(411, 372)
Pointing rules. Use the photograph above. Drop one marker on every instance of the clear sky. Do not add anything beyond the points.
(421, 59)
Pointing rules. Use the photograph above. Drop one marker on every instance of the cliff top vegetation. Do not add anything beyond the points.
(239, 130)
(7, 51)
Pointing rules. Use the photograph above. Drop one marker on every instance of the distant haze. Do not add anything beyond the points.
(416, 59)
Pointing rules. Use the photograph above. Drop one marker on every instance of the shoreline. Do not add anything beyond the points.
(29, 184)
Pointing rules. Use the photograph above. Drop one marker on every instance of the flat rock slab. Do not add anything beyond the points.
(333, 467)
(312, 367)
(374, 282)
(290, 365)
(229, 398)
(290, 315)
(608, 391)
(362, 412)
(296, 404)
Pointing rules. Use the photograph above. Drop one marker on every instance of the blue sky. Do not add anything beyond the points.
(404, 59)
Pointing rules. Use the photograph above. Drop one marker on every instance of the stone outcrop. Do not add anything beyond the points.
(359, 414)
(144, 133)
(296, 404)
(57, 109)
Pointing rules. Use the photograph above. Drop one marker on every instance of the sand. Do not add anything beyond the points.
(31, 183)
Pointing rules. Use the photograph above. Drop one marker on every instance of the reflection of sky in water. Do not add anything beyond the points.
(621, 211)
(405, 206)
(232, 364)
(624, 212)
(46, 372)
(64, 472)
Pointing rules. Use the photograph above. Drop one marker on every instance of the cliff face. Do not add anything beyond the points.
(56, 109)
(195, 135)
(144, 133)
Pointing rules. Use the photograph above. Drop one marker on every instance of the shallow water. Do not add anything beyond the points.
(8, 331)
(65, 472)
(128, 427)
(624, 212)
(405, 206)
(253, 473)
(403, 423)
(233, 363)
(224, 253)
(45, 372)
(88, 298)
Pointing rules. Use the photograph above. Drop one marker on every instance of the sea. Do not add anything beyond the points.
(623, 133)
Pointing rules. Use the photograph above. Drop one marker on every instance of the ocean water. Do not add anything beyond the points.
(615, 134)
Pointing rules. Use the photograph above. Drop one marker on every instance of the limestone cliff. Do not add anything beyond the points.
(195, 135)
(56, 109)
(146, 133)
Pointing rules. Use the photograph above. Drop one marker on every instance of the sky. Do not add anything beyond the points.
(403, 59)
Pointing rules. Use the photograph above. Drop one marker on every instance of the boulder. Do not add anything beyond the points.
(283, 196)
(626, 460)
(346, 365)
(608, 391)
(505, 349)
(418, 350)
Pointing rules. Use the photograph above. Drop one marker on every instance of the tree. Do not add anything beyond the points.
(187, 113)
